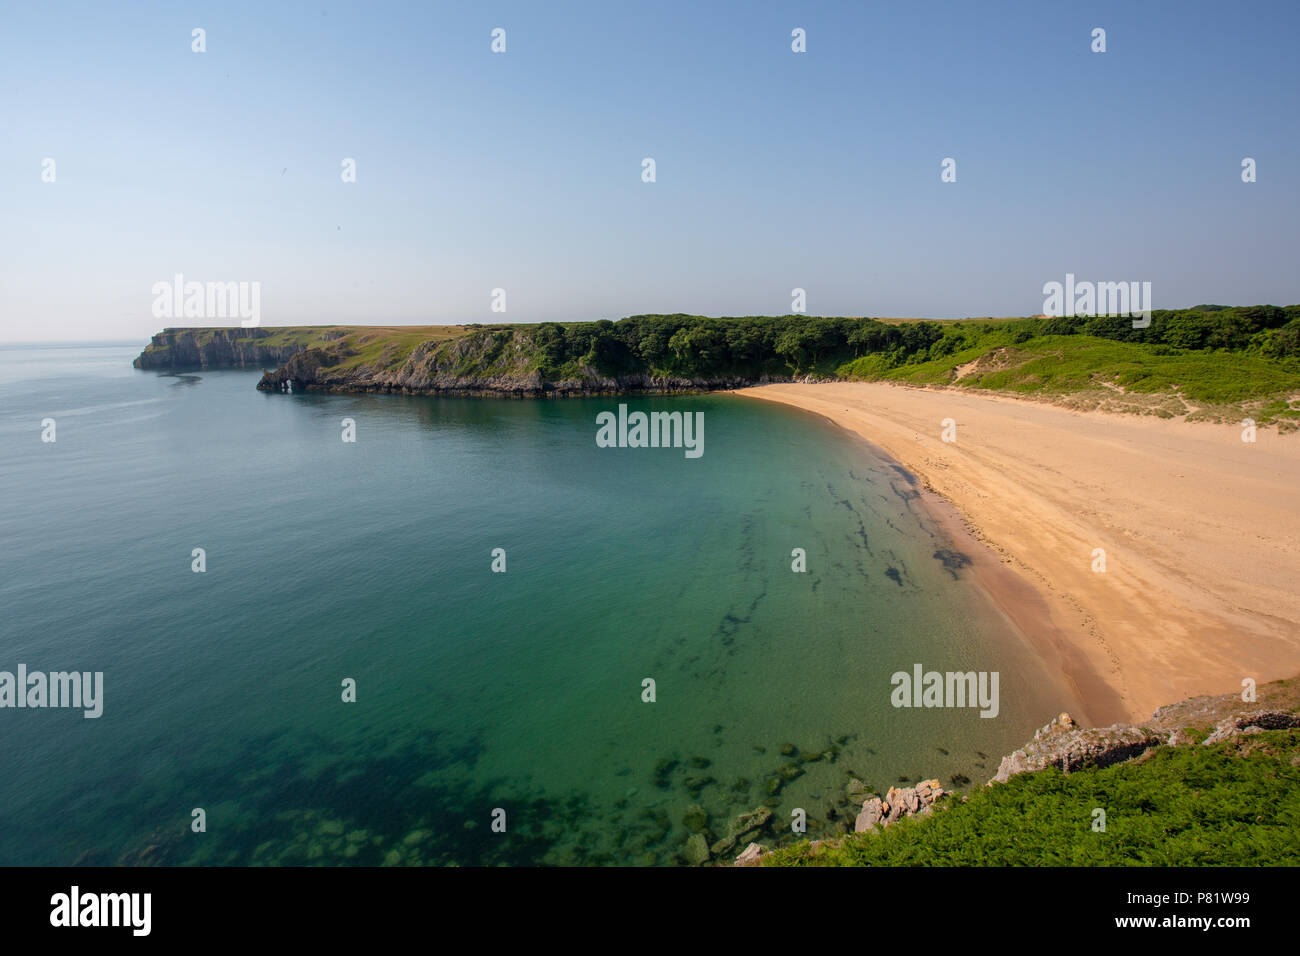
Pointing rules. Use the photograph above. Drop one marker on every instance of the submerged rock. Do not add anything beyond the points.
(696, 818)
(694, 785)
(663, 772)
(753, 820)
(696, 850)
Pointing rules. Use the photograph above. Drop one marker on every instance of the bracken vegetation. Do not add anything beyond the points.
(1231, 804)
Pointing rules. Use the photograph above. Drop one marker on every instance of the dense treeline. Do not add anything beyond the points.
(752, 346)
(755, 346)
(1266, 329)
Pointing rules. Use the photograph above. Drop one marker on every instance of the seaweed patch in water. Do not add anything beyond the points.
(395, 809)
(952, 561)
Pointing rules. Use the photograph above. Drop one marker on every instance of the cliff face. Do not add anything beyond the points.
(518, 361)
(498, 361)
(216, 348)
(310, 370)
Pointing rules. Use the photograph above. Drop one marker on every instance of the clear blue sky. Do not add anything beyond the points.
(522, 170)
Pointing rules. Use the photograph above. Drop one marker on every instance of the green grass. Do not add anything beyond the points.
(385, 347)
(1216, 365)
(1233, 804)
(1062, 364)
(355, 346)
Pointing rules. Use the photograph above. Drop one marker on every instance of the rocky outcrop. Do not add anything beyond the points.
(1063, 745)
(213, 348)
(1253, 722)
(751, 855)
(909, 801)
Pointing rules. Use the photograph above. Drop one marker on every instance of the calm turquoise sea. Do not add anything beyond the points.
(475, 691)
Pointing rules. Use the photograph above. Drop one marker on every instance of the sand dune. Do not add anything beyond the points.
(1201, 532)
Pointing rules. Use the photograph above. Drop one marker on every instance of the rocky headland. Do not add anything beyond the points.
(515, 361)
(466, 367)
(216, 348)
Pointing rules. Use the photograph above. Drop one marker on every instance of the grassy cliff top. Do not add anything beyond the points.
(319, 336)
(1214, 362)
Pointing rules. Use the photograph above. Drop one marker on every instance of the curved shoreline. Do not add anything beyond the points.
(1095, 701)
(1192, 603)
(1027, 618)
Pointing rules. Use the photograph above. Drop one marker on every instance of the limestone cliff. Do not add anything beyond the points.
(216, 348)
(506, 361)
(511, 360)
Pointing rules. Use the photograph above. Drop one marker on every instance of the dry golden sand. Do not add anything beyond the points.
(1201, 532)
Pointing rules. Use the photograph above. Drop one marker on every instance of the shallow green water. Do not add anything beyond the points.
(475, 690)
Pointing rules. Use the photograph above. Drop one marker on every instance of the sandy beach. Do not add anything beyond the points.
(1201, 533)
